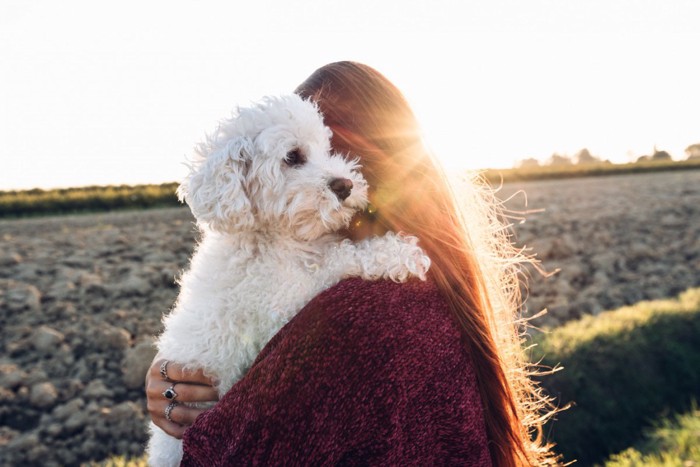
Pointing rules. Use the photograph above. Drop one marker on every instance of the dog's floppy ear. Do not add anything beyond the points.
(215, 187)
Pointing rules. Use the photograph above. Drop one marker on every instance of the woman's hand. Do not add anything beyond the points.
(185, 387)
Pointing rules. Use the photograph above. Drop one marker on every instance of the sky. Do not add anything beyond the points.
(112, 92)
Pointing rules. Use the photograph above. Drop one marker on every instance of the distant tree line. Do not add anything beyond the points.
(584, 157)
(86, 199)
(693, 151)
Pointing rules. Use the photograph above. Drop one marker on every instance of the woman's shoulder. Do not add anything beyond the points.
(357, 317)
(413, 313)
(378, 331)
(380, 296)
(381, 288)
(361, 300)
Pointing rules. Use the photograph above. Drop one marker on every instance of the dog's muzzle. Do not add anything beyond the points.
(342, 187)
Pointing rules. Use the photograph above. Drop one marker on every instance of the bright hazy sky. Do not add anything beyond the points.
(109, 92)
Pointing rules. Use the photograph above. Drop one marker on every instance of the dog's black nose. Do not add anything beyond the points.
(341, 187)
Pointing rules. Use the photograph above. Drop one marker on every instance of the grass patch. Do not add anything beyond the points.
(120, 461)
(87, 199)
(674, 442)
(622, 370)
(496, 176)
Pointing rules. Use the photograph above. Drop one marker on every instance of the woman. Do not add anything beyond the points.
(433, 372)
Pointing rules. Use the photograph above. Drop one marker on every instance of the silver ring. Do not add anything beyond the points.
(164, 370)
(169, 409)
(170, 393)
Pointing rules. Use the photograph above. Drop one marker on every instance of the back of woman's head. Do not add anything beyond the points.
(474, 263)
(371, 120)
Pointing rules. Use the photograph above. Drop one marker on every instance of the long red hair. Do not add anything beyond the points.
(473, 262)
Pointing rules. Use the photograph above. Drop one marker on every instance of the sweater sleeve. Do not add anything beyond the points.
(367, 373)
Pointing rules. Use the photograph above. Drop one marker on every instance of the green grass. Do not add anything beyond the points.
(674, 442)
(496, 176)
(622, 370)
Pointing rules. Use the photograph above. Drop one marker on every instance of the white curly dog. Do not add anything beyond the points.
(268, 196)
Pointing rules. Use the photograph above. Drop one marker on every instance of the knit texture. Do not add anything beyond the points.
(368, 373)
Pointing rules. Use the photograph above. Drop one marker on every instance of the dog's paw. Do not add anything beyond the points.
(393, 256)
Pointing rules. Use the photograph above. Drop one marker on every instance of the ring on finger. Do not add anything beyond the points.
(170, 393)
(168, 411)
(164, 370)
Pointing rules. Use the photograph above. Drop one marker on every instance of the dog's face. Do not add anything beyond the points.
(270, 168)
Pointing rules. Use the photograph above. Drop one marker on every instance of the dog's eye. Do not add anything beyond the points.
(295, 158)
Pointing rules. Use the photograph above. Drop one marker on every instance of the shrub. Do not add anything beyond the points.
(622, 370)
(675, 441)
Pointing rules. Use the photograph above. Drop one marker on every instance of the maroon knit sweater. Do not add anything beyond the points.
(368, 373)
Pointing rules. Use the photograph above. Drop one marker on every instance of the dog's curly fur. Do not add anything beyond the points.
(262, 193)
